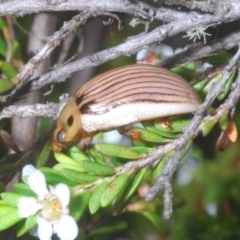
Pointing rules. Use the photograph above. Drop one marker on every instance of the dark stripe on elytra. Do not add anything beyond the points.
(127, 77)
(118, 73)
(131, 93)
(123, 93)
(131, 83)
(139, 97)
(132, 87)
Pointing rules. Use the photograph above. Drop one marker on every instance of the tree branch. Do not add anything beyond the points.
(196, 52)
(33, 6)
(127, 48)
(50, 110)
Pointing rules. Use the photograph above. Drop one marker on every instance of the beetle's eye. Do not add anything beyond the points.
(61, 137)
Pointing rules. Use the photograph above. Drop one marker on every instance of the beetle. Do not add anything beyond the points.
(122, 96)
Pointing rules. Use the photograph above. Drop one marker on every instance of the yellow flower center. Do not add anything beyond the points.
(52, 208)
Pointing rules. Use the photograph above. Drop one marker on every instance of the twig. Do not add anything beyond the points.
(11, 38)
(128, 48)
(206, 6)
(65, 48)
(167, 197)
(199, 51)
(50, 110)
(111, 18)
(32, 6)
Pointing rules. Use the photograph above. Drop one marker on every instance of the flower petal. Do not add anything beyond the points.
(28, 206)
(67, 228)
(37, 183)
(45, 230)
(63, 193)
(28, 170)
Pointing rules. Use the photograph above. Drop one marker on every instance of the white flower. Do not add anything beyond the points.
(164, 50)
(113, 137)
(52, 206)
(142, 54)
(24, 209)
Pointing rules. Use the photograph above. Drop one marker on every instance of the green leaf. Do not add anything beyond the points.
(117, 161)
(54, 176)
(154, 219)
(141, 150)
(76, 154)
(184, 72)
(128, 192)
(5, 85)
(95, 200)
(11, 198)
(211, 83)
(87, 166)
(63, 158)
(172, 125)
(16, 50)
(44, 155)
(227, 87)
(191, 65)
(222, 56)
(79, 204)
(61, 166)
(110, 227)
(96, 168)
(24, 226)
(158, 169)
(4, 208)
(224, 121)
(115, 150)
(10, 218)
(114, 189)
(187, 147)
(97, 156)
(8, 69)
(208, 126)
(158, 131)
(31, 221)
(150, 136)
(3, 24)
(23, 190)
(21, 229)
(200, 85)
(79, 177)
(3, 47)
